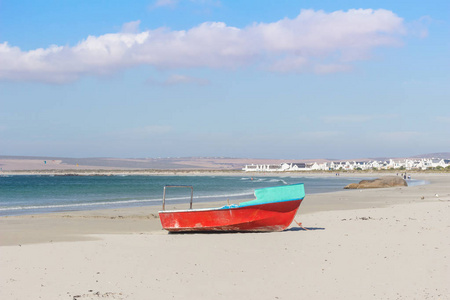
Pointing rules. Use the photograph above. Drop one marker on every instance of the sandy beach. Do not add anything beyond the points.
(356, 244)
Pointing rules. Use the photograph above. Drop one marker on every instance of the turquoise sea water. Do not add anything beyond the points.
(42, 194)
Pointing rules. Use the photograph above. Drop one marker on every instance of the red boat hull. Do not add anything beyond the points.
(275, 216)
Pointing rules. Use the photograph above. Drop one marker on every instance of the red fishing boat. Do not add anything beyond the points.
(273, 210)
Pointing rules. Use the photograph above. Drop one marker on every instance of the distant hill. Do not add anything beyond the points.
(178, 163)
(10, 163)
(445, 155)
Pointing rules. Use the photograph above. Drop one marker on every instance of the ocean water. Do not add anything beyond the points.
(21, 195)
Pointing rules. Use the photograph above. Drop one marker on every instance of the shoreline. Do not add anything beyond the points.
(57, 208)
(212, 172)
(151, 201)
(78, 225)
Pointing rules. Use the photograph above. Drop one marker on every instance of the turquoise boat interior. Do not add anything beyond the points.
(273, 194)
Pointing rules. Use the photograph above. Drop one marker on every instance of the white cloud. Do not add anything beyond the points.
(419, 27)
(331, 68)
(176, 79)
(131, 27)
(314, 41)
(165, 3)
(289, 64)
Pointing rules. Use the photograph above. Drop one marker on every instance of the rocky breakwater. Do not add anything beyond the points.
(383, 182)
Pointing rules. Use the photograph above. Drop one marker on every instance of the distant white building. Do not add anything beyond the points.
(262, 168)
(406, 164)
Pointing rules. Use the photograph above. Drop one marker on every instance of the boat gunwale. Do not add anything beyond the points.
(226, 207)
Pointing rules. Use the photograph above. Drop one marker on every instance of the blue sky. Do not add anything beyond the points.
(255, 79)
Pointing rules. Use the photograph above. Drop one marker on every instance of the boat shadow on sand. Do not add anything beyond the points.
(234, 232)
(304, 228)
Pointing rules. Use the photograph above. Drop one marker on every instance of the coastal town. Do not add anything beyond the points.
(390, 164)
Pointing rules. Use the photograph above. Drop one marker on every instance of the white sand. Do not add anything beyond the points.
(396, 246)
